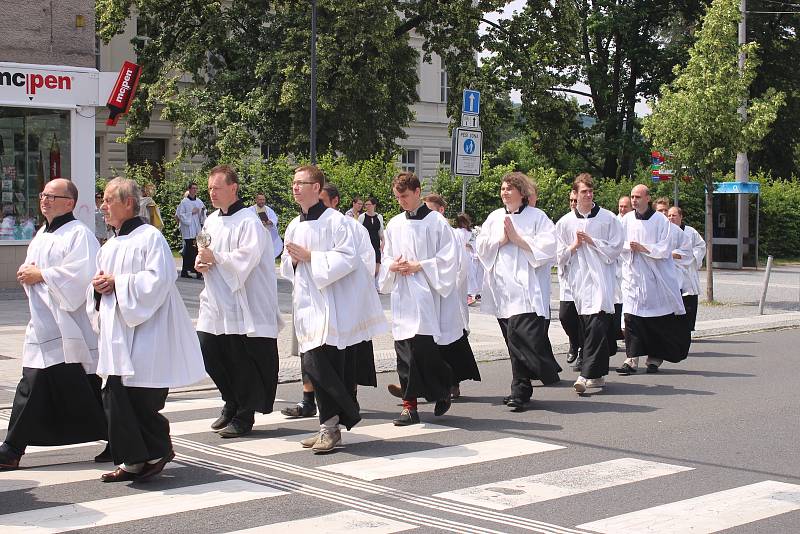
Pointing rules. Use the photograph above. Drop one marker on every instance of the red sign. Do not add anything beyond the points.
(121, 98)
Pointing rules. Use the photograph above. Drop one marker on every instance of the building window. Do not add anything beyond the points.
(444, 159)
(409, 161)
(444, 86)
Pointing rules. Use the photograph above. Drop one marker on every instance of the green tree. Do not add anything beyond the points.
(696, 118)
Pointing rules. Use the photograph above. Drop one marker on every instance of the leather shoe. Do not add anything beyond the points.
(441, 407)
(184, 274)
(652, 368)
(301, 409)
(571, 357)
(235, 429)
(150, 470)
(395, 390)
(578, 365)
(118, 475)
(407, 417)
(105, 456)
(224, 418)
(517, 404)
(506, 399)
(8, 459)
(626, 370)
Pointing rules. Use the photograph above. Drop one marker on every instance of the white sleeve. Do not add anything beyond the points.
(140, 294)
(328, 266)
(236, 264)
(67, 282)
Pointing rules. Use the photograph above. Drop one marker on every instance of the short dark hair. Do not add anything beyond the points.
(519, 181)
(404, 181)
(314, 173)
(435, 198)
(72, 190)
(332, 190)
(662, 200)
(583, 178)
(463, 221)
(356, 198)
(226, 170)
(189, 186)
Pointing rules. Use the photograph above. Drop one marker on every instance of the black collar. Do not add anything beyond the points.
(233, 208)
(58, 222)
(192, 198)
(418, 214)
(521, 207)
(682, 227)
(130, 225)
(646, 215)
(314, 212)
(593, 213)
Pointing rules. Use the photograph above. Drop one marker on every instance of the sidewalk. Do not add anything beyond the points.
(739, 292)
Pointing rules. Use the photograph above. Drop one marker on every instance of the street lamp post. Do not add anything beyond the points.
(313, 133)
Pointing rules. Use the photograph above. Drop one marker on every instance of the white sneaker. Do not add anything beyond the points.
(596, 382)
(580, 385)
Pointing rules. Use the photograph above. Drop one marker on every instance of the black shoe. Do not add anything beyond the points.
(407, 417)
(9, 460)
(626, 370)
(301, 409)
(652, 368)
(506, 399)
(571, 357)
(441, 407)
(224, 418)
(235, 429)
(105, 456)
(184, 274)
(578, 364)
(151, 470)
(199, 276)
(395, 390)
(517, 404)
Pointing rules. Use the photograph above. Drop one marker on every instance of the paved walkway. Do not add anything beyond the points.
(737, 291)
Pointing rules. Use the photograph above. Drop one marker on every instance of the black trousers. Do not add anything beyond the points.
(690, 303)
(325, 368)
(596, 346)
(360, 365)
(137, 432)
(57, 405)
(244, 369)
(422, 370)
(665, 338)
(189, 255)
(461, 359)
(530, 351)
(616, 327)
(571, 323)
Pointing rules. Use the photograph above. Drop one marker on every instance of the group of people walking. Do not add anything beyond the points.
(109, 333)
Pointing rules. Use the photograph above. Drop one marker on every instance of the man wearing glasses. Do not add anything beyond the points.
(58, 397)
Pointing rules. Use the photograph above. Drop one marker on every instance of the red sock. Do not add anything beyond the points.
(410, 404)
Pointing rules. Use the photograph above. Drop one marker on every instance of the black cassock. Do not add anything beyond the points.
(530, 351)
(571, 323)
(360, 365)
(461, 359)
(325, 368)
(599, 343)
(57, 405)
(665, 338)
(422, 370)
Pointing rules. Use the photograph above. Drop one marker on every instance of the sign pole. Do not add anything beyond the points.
(463, 194)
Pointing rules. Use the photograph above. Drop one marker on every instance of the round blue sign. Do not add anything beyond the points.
(469, 146)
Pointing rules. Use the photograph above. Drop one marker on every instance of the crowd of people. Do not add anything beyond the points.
(109, 333)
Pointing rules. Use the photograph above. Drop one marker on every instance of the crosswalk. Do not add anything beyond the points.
(367, 490)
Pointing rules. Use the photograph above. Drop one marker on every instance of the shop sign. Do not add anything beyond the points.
(40, 86)
(121, 97)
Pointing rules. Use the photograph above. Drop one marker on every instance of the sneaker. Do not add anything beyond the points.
(407, 417)
(652, 368)
(580, 385)
(441, 407)
(571, 356)
(301, 409)
(470, 300)
(626, 370)
(310, 441)
(328, 439)
(596, 382)
(395, 390)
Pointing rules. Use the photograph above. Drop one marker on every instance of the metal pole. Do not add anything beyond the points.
(764, 288)
(675, 190)
(742, 167)
(463, 194)
(313, 133)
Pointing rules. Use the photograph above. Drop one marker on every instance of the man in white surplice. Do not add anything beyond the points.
(419, 267)
(147, 343)
(321, 261)
(589, 242)
(689, 265)
(650, 288)
(239, 319)
(516, 243)
(57, 401)
(269, 219)
(191, 214)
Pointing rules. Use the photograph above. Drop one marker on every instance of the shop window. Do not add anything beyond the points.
(150, 152)
(34, 148)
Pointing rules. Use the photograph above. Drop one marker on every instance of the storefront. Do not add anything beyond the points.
(47, 130)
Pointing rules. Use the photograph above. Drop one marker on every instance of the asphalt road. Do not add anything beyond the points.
(707, 445)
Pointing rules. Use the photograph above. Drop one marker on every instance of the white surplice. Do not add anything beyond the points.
(241, 293)
(454, 313)
(650, 283)
(146, 335)
(277, 242)
(190, 223)
(416, 298)
(59, 330)
(517, 281)
(327, 288)
(692, 253)
(590, 271)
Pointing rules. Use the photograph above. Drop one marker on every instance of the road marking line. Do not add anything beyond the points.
(37, 477)
(359, 434)
(195, 426)
(707, 513)
(134, 507)
(441, 458)
(347, 522)
(556, 484)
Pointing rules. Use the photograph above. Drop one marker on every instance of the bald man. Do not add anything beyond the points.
(650, 288)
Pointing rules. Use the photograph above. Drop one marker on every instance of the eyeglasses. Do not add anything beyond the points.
(573, 201)
(51, 198)
(299, 183)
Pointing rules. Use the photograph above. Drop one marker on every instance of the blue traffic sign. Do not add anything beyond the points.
(469, 146)
(472, 102)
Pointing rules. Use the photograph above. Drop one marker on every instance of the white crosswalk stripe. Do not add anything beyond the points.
(195, 426)
(522, 491)
(347, 522)
(359, 434)
(37, 477)
(130, 508)
(708, 513)
(440, 458)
